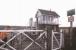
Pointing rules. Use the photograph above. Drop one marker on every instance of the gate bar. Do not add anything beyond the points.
(21, 30)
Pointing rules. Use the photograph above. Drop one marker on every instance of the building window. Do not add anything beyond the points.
(52, 18)
(44, 18)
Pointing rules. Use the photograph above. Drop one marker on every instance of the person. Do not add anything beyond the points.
(3, 35)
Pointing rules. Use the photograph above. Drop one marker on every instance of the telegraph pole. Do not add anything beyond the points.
(71, 28)
(70, 13)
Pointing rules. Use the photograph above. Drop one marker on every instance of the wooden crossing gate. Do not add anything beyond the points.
(29, 40)
(57, 40)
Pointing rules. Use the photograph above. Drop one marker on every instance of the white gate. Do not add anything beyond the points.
(57, 40)
(30, 40)
(35, 42)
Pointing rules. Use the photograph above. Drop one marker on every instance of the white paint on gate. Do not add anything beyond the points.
(58, 41)
(23, 32)
(33, 41)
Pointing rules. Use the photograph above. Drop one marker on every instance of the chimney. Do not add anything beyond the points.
(31, 22)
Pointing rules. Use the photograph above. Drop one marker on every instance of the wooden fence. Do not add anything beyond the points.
(29, 40)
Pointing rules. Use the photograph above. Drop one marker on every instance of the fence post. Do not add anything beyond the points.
(61, 39)
(52, 40)
(49, 38)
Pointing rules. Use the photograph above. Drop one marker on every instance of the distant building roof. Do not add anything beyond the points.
(47, 12)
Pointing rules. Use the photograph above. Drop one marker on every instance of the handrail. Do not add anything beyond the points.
(21, 30)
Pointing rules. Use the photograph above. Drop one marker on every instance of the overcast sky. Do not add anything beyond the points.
(18, 12)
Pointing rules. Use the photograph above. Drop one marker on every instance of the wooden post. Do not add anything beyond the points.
(52, 40)
(71, 23)
(49, 38)
(71, 19)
